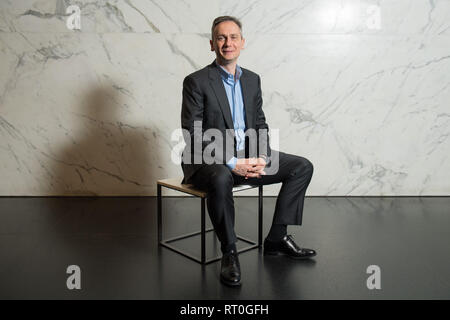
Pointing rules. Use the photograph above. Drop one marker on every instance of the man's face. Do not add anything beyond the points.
(227, 42)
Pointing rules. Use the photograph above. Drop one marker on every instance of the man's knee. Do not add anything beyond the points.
(303, 167)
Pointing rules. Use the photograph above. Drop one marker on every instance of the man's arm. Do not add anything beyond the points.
(264, 150)
(191, 111)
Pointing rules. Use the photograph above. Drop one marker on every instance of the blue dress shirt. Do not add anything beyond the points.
(233, 89)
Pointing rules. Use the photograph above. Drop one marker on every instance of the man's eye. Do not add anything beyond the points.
(220, 38)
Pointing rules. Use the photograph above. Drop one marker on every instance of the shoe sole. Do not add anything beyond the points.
(278, 254)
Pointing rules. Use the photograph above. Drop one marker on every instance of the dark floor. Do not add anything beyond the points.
(113, 240)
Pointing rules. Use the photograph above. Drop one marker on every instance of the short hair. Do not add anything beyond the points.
(223, 19)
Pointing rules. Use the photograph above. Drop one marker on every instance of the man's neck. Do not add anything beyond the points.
(230, 67)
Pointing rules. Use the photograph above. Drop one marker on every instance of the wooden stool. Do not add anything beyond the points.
(175, 184)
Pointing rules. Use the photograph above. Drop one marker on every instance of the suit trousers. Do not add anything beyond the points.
(294, 172)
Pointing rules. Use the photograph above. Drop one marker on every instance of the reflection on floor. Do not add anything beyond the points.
(113, 241)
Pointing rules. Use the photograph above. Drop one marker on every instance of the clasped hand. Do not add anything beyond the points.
(250, 167)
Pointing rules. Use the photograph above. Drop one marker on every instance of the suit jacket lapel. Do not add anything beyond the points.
(221, 95)
(245, 96)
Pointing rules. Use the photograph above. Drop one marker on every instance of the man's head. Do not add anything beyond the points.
(226, 39)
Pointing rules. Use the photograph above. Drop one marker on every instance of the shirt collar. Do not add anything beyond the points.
(228, 76)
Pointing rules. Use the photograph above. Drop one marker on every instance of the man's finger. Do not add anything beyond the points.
(252, 175)
(257, 169)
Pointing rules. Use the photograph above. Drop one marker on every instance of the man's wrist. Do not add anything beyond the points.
(232, 163)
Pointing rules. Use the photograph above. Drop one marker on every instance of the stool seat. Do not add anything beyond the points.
(175, 183)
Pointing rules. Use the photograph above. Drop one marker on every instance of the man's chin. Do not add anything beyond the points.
(224, 60)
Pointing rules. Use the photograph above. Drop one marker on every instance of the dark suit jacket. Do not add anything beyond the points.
(205, 100)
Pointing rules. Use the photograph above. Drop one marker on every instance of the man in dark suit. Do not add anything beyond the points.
(227, 98)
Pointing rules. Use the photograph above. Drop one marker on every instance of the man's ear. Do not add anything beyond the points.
(243, 43)
(212, 45)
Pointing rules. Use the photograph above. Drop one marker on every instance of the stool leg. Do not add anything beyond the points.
(260, 214)
(159, 214)
(203, 232)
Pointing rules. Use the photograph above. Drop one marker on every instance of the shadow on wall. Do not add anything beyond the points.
(106, 157)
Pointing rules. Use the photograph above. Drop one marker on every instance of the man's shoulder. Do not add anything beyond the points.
(199, 74)
(250, 73)
(204, 73)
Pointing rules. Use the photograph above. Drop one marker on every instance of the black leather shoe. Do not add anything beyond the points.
(287, 247)
(230, 272)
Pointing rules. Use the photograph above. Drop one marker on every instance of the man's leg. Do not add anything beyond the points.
(294, 172)
(217, 180)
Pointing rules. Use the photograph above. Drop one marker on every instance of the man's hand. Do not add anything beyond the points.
(250, 168)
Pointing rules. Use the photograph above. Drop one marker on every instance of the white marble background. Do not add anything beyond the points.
(359, 87)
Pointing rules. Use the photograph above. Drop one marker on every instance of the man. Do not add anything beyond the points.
(226, 97)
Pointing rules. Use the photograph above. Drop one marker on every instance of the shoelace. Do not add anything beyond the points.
(232, 258)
